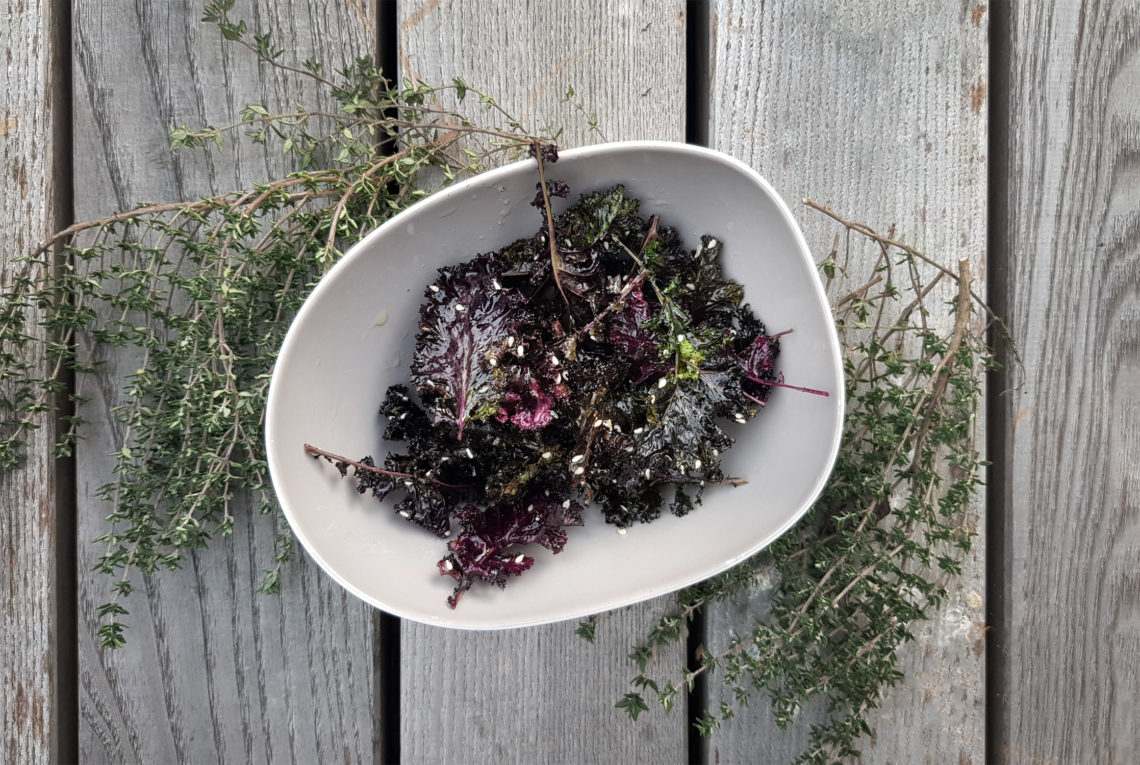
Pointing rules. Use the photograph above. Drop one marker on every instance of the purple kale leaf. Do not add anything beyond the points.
(529, 408)
(680, 443)
(634, 341)
(589, 220)
(486, 547)
(466, 315)
(554, 188)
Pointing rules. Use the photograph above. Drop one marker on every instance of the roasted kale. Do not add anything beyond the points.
(531, 406)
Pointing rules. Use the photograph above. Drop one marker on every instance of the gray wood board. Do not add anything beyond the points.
(30, 712)
(211, 671)
(1071, 626)
(878, 111)
(542, 694)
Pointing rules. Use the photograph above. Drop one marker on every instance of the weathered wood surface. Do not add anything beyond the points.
(30, 713)
(543, 694)
(1071, 681)
(211, 671)
(879, 111)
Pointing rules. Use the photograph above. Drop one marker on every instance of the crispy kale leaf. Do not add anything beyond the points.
(486, 548)
(466, 315)
(532, 407)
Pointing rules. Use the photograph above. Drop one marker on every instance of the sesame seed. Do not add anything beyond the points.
(547, 455)
(530, 508)
(622, 532)
(579, 470)
(741, 420)
(712, 243)
(738, 416)
(495, 284)
(492, 361)
(638, 431)
(433, 288)
(648, 474)
(460, 307)
(469, 453)
(566, 505)
(680, 338)
(520, 350)
(597, 423)
(405, 513)
(662, 383)
(403, 416)
(520, 558)
(690, 285)
(716, 452)
(554, 360)
(511, 341)
(447, 564)
(577, 458)
(408, 483)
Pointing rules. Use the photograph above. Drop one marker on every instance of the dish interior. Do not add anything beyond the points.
(355, 336)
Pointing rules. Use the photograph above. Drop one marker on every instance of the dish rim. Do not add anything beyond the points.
(489, 177)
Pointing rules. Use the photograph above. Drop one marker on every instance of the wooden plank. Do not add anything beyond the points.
(31, 715)
(879, 111)
(1071, 617)
(211, 671)
(542, 694)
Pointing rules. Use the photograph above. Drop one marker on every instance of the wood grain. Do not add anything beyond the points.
(211, 671)
(31, 714)
(542, 694)
(878, 111)
(1071, 626)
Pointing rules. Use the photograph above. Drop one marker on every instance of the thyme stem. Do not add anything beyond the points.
(315, 452)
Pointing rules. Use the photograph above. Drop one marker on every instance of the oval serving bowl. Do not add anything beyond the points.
(354, 337)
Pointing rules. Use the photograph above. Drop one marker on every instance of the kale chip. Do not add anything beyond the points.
(534, 401)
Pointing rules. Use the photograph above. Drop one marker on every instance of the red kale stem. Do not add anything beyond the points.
(753, 399)
(555, 258)
(313, 451)
(632, 283)
(776, 384)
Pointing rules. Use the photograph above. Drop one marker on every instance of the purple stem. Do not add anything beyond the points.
(775, 384)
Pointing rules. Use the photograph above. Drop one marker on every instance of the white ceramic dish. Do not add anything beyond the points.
(354, 337)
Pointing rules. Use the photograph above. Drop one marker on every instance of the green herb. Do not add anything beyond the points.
(205, 290)
(875, 553)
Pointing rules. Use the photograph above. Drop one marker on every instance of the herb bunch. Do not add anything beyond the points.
(205, 289)
(842, 592)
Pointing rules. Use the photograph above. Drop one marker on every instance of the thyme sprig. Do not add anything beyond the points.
(875, 553)
(204, 290)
